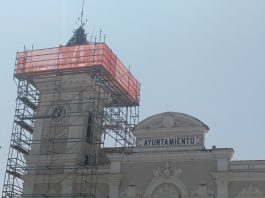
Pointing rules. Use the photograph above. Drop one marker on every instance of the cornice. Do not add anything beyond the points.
(103, 173)
(198, 155)
(239, 176)
(44, 159)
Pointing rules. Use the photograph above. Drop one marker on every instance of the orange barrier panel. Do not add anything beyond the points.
(77, 59)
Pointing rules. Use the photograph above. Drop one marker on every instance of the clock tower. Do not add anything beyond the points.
(86, 99)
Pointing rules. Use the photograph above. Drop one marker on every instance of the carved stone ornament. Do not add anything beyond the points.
(166, 190)
(131, 191)
(202, 190)
(170, 120)
(167, 171)
(250, 192)
(166, 182)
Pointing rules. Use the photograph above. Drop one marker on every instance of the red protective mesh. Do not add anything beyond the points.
(74, 59)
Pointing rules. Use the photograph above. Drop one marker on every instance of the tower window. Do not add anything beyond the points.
(89, 131)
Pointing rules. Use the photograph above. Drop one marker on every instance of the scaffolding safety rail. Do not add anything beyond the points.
(81, 58)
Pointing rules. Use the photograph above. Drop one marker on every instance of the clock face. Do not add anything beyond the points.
(58, 114)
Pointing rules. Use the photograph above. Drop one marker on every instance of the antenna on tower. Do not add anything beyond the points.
(82, 13)
(80, 35)
(100, 32)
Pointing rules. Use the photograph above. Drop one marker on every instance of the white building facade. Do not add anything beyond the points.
(169, 161)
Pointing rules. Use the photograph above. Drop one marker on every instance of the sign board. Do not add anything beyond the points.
(175, 141)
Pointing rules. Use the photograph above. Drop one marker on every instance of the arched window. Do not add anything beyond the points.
(89, 130)
(170, 186)
(166, 190)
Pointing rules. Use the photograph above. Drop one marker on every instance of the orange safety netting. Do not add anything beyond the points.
(73, 59)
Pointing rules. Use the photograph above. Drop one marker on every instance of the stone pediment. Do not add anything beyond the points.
(170, 120)
(170, 131)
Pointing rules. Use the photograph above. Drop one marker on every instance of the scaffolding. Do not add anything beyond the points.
(110, 95)
(21, 138)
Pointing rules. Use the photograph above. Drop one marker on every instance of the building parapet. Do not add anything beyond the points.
(247, 165)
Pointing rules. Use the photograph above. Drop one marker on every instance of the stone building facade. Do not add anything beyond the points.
(169, 161)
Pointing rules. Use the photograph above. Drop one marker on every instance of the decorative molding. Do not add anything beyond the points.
(202, 190)
(167, 171)
(166, 177)
(249, 165)
(239, 176)
(131, 191)
(170, 120)
(165, 189)
(250, 192)
(187, 155)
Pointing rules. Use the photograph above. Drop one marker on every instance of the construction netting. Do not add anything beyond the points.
(74, 59)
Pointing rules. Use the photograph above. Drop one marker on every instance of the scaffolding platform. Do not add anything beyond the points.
(28, 102)
(20, 149)
(97, 58)
(14, 173)
(24, 125)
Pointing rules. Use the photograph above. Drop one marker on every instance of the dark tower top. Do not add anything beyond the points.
(79, 37)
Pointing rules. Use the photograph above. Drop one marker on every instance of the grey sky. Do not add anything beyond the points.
(205, 58)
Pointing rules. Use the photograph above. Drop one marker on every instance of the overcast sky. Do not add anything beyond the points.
(205, 58)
